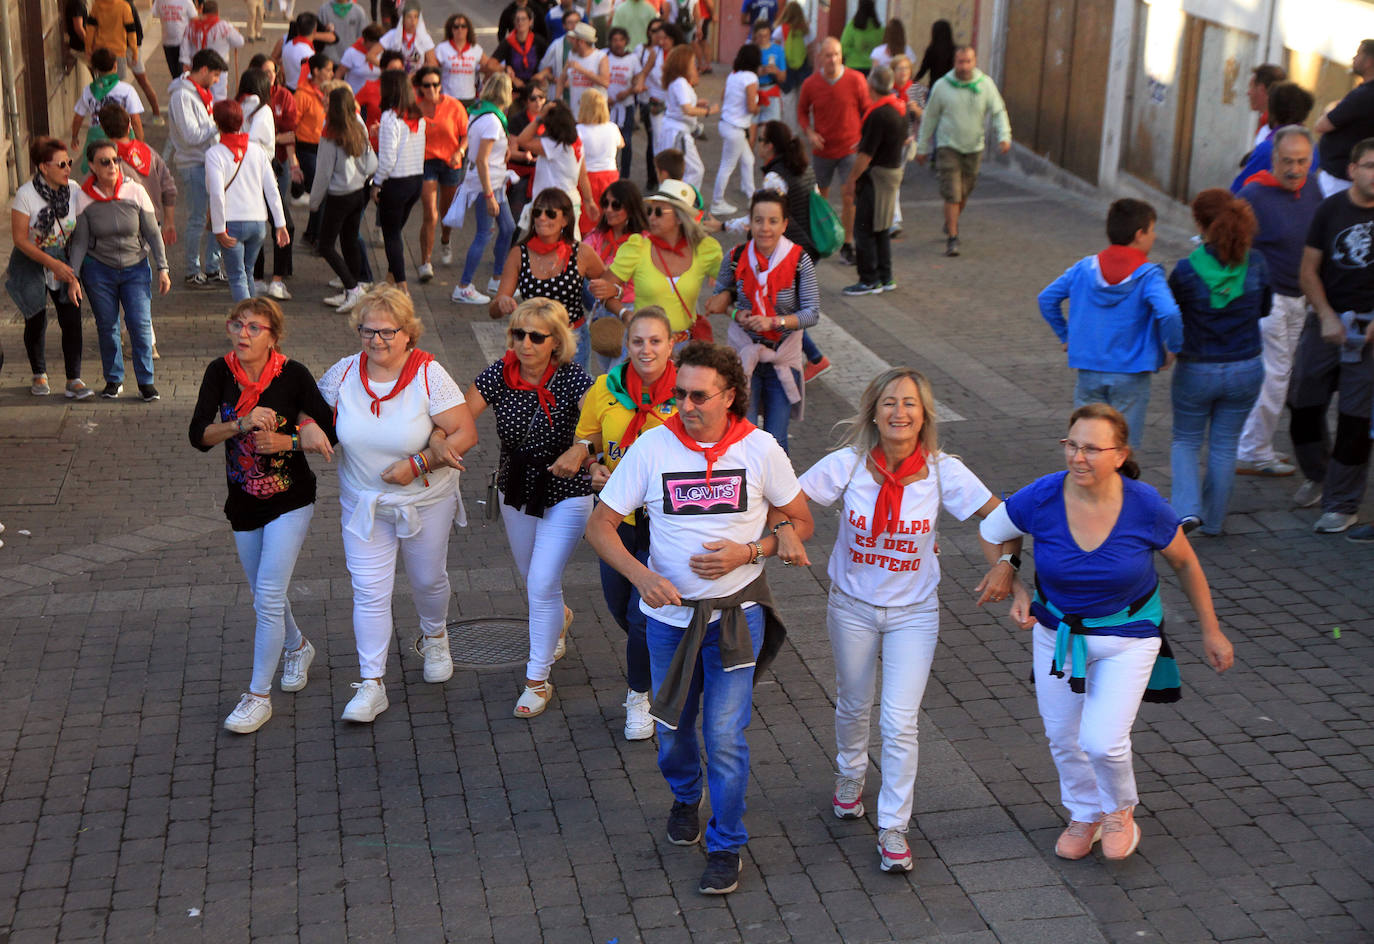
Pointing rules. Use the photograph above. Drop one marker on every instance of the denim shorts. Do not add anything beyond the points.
(437, 169)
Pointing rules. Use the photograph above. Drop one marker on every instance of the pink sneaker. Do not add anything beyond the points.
(1120, 834)
(1077, 841)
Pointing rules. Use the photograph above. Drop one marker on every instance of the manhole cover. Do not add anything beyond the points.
(497, 642)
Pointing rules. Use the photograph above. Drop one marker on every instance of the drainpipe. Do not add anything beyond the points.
(9, 91)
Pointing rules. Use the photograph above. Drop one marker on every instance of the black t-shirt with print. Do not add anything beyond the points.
(1344, 233)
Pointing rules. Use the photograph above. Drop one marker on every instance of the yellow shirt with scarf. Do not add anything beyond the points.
(604, 415)
(634, 262)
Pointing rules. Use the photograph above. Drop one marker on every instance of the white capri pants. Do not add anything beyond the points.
(905, 636)
(541, 548)
(734, 149)
(1090, 734)
(1279, 333)
(372, 567)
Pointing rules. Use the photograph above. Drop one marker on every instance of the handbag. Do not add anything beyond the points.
(827, 233)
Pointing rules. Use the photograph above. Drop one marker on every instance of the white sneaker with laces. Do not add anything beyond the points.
(445, 254)
(723, 208)
(438, 658)
(468, 295)
(368, 703)
(351, 299)
(334, 301)
(295, 671)
(252, 713)
(426, 272)
(894, 855)
(638, 725)
(278, 291)
(848, 801)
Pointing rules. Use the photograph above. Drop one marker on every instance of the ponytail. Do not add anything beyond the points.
(1227, 224)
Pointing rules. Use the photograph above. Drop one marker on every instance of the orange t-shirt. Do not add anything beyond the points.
(446, 130)
(310, 103)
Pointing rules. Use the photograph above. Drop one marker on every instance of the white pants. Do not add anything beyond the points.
(1090, 734)
(734, 149)
(1279, 332)
(372, 567)
(541, 548)
(1330, 184)
(673, 135)
(905, 636)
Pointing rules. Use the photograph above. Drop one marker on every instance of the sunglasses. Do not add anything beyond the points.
(696, 396)
(660, 211)
(250, 328)
(547, 213)
(386, 334)
(537, 337)
(106, 161)
(67, 163)
(610, 203)
(430, 85)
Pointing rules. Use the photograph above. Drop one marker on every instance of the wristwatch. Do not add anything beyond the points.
(1013, 559)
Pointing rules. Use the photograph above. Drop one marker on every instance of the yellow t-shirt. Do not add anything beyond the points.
(634, 262)
(604, 416)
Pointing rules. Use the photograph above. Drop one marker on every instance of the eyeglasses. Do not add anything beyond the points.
(430, 84)
(536, 337)
(250, 328)
(106, 161)
(660, 211)
(386, 334)
(547, 213)
(696, 396)
(1089, 452)
(610, 203)
(66, 163)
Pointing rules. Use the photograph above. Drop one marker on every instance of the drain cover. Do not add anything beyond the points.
(496, 642)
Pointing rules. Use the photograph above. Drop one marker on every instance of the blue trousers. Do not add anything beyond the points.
(110, 289)
(623, 601)
(1212, 400)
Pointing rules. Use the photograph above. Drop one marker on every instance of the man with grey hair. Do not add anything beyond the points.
(1284, 200)
(874, 182)
(1346, 123)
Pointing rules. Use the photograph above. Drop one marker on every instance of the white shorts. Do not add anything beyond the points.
(132, 61)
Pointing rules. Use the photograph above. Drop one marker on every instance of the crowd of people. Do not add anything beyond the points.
(671, 453)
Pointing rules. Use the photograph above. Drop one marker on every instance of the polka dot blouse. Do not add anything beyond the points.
(565, 287)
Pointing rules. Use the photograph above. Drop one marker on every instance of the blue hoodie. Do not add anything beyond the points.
(1123, 328)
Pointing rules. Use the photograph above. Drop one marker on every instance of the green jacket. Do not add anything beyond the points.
(857, 45)
(957, 113)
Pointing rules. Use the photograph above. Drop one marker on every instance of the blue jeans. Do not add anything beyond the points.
(583, 333)
(767, 396)
(197, 238)
(1129, 393)
(622, 599)
(810, 349)
(1221, 394)
(131, 288)
(725, 700)
(268, 556)
(239, 259)
(505, 232)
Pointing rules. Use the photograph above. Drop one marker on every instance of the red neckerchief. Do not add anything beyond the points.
(303, 41)
(510, 372)
(136, 154)
(646, 402)
(762, 278)
(407, 46)
(665, 246)
(887, 512)
(414, 362)
(200, 29)
(206, 96)
(1263, 121)
(1118, 262)
(1266, 179)
(524, 50)
(466, 47)
(252, 390)
(361, 46)
(901, 90)
(738, 427)
(236, 143)
(94, 193)
(559, 246)
(611, 244)
(888, 99)
(412, 123)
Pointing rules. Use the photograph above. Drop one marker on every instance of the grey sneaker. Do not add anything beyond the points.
(1334, 522)
(848, 801)
(296, 664)
(894, 855)
(40, 386)
(952, 246)
(438, 658)
(1308, 494)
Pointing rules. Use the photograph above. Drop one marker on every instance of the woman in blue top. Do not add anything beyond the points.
(1097, 618)
(1222, 291)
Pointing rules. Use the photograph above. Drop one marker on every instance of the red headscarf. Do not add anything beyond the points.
(252, 390)
(646, 402)
(510, 372)
(887, 512)
(414, 362)
(738, 427)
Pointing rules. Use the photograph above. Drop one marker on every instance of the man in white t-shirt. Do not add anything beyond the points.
(174, 15)
(586, 66)
(106, 87)
(707, 479)
(624, 65)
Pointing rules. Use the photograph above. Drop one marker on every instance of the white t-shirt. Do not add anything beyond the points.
(486, 128)
(680, 94)
(734, 105)
(360, 71)
(174, 15)
(294, 56)
(881, 57)
(460, 69)
(122, 94)
(558, 167)
(653, 82)
(668, 479)
(579, 83)
(28, 202)
(623, 71)
(413, 47)
(599, 145)
(890, 569)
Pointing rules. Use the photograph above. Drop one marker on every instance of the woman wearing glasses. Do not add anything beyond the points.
(1098, 619)
(536, 392)
(622, 216)
(551, 263)
(268, 413)
(446, 138)
(116, 231)
(403, 428)
(42, 218)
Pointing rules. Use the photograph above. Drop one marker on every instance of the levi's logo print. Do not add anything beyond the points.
(688, 493)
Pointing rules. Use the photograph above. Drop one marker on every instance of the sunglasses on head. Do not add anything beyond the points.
(106, 161)
(536, 337)
(549, 213)
(610, 203)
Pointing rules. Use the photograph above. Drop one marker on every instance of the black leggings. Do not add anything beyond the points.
(173, 56)
(340, 218)
(36, 331)
(399, 196)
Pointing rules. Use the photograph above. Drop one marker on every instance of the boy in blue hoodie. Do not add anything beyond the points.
(1124, 324)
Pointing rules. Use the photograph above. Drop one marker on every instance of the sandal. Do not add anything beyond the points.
(533, 701)
(562, 648)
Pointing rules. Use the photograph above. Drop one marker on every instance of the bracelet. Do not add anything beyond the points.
(295, 442)
(420, 467)
(306, 421)
(758, 551)
(785, 521)
(238, 424)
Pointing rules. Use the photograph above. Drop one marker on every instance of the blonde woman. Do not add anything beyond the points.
(601, 143)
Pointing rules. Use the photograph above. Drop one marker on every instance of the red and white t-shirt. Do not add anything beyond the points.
(578, 82)
(459, 68)
(623, 71)
(890, 569)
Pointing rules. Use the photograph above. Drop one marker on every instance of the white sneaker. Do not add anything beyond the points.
(722, 208)
(638, 725)
(259, 288)
(278, 291)
(350, 301)
(368, 703)
(302, 201)
(334, 301)
(493, 285)
(336, 282)
(1334, 522)
(426, 272)
(468, 295)
(252, 713)
(445, 254)
(438, 658)
(295, 670)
